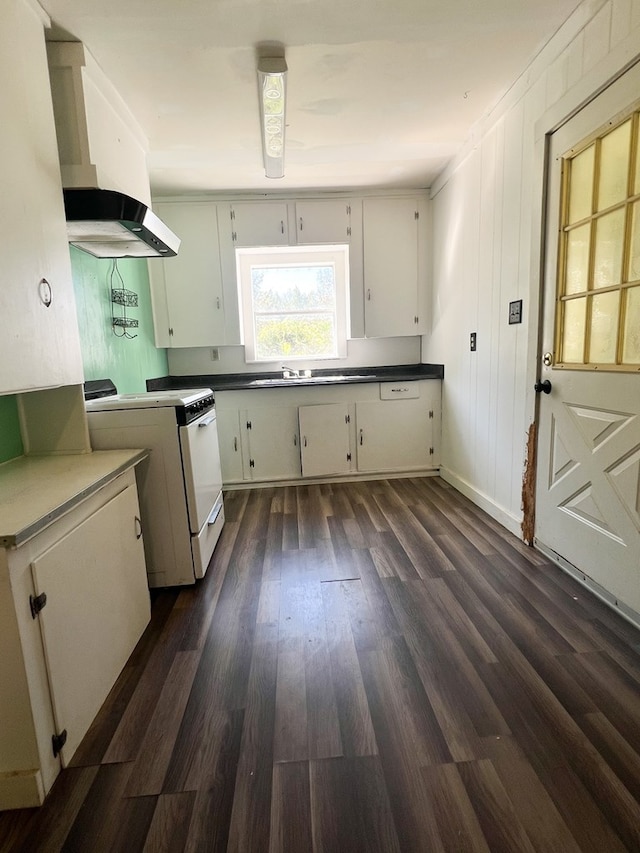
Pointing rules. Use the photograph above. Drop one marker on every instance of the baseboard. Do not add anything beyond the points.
(316, 481)
(501, 515)
(593, 586)
(21, 790)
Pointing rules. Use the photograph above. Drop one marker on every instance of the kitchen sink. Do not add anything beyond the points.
(306, 380)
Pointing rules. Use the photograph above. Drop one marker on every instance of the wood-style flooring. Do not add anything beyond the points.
(366, 667)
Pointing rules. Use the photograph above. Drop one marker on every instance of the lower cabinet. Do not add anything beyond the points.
(325, 446)
(293, 433)
(272, 443)
(394, 435)
(230, 442)
(87, 573)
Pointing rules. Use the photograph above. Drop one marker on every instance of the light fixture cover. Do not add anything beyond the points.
(272, 76)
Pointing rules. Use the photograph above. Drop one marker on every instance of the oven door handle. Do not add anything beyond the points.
(215, 512)
(206, 421)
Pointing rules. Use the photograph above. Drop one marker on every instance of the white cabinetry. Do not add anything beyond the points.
(39, 340)
(397, 434)
(394, 233)
(187, 294)
(259, 223)
(320, 221)
(97, 607)
(324, 431)
(271, 443)
(230, 443)
(87, 558)
(324, 439)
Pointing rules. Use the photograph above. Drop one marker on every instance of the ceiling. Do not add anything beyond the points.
(381, 93)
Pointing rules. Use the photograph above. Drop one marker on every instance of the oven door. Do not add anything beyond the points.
(201, 464)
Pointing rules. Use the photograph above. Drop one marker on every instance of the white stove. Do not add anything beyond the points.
(180, 486)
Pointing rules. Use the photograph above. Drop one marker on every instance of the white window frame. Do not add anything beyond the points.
(246, 258)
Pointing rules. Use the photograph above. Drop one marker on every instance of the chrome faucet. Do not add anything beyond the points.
(290, 371)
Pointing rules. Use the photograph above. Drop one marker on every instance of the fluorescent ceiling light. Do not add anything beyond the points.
(272, 76)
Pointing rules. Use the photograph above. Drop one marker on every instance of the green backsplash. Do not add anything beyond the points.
(10, 441)
(129, 362)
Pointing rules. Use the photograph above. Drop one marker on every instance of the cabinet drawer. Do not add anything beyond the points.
(399, 390)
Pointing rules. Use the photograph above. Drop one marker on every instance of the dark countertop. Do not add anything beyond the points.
(347, 375)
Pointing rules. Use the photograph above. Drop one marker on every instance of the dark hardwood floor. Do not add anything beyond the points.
(366, 667)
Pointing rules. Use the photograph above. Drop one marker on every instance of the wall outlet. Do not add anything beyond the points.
(215, 354)
(472, 341)
(515, 312)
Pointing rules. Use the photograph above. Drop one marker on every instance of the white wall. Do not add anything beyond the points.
(487, 241)
(371, 352)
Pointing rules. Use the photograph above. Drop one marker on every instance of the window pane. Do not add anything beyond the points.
(614, 166)
(581, 187)
(634, 252)
(293, 288)
(631, 345)
(577, 260)
(295, 336)
(609, 237)
(604, 328)
(573, 331)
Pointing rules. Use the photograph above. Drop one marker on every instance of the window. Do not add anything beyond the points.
(293, 302)
(598, 306)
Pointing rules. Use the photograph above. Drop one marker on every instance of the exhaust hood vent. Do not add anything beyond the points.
(109, 224)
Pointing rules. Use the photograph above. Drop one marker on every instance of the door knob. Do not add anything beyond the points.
(544, 387)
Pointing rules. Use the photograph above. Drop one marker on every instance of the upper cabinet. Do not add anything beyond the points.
(319, 221)
(195, 295)
(259, 223)
(188, 300)
(39, 339)
(394, 237)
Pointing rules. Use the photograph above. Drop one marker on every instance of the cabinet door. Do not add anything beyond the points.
(272, 443)
(260, 224)
(323, 221)
(97, 608)
(230, 445)
(191, 282)
(393, 435)
(39, 338)
(390, 246)
(324, 439)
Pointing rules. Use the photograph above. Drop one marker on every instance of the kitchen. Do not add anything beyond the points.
(488, 401)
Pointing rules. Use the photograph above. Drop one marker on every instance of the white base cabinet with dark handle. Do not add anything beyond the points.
(345, 430)
(74, 602)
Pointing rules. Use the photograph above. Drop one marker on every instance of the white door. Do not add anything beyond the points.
(588, 468)
(260, 223)
(271, 436)
(393, 435)
(324, 439)
(323, 221)
(97, 608)
(193, 279)
(391, 278)
(201, 467)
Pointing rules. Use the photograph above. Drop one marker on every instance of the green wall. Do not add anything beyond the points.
(10, 441)
(129, 362)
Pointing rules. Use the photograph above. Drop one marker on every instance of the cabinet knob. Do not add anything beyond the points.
(138, 525)
(361, 437)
